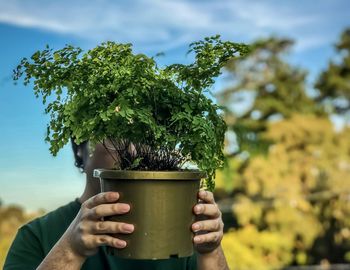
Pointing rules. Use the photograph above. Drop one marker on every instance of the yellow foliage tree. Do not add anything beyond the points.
(11, 218)
(293, 202)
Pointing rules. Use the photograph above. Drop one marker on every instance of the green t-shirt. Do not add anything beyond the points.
(35, 239)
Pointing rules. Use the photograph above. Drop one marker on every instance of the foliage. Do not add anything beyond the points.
(334, 82)
(296, 195)
(111, 94)
(276, 88)
(248, 248)
(11, 218)
(290, 177)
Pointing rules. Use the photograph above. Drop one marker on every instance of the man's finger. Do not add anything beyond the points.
(101, 198)
(106, 227)
(105, 210)
(210, 210)
(100, 240)
(211, 225)
(212, 237)
(206, 196)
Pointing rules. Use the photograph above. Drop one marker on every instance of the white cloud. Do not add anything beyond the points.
(305, 42)
(168, 24)
(267, 16)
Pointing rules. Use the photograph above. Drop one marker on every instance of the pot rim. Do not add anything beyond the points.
(149, 175)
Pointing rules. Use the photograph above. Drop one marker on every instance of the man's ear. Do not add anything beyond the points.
(80, 152)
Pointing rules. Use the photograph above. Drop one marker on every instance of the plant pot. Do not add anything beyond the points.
(161, 211)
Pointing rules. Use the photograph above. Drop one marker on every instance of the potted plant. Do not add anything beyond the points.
(152, 120)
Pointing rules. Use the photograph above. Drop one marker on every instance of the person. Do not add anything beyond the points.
(75, 237)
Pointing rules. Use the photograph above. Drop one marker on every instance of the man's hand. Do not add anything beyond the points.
(87, 231)
(208, 227)
(208, 230)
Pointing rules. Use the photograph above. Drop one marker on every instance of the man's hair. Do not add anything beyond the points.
(79, 162)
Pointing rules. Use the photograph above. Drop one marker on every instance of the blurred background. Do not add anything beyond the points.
(285, 189)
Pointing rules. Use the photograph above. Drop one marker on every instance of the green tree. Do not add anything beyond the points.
(334, 83)
(277, 90)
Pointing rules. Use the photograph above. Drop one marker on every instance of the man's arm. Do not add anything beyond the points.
(214, 260)
(62, 256)
(208, 231)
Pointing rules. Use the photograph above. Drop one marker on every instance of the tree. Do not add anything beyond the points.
(334, 83)
(11, 218)
(296, 195)
(276, 88)
(290, 195)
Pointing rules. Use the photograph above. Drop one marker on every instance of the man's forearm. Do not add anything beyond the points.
(214, 260)
(61, 257)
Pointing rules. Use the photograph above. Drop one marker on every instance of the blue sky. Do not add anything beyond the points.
(29, 176)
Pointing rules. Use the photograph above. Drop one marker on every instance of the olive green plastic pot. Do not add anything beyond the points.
(161, 211)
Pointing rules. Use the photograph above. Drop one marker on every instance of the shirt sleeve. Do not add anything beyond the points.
(25, 252)
(192, 262)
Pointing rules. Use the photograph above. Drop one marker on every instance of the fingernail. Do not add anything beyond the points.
(198, 208)
(197, 239)
(125, 207)
(128, 227)
(121, 244)
(196, 227)
(115, 195)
